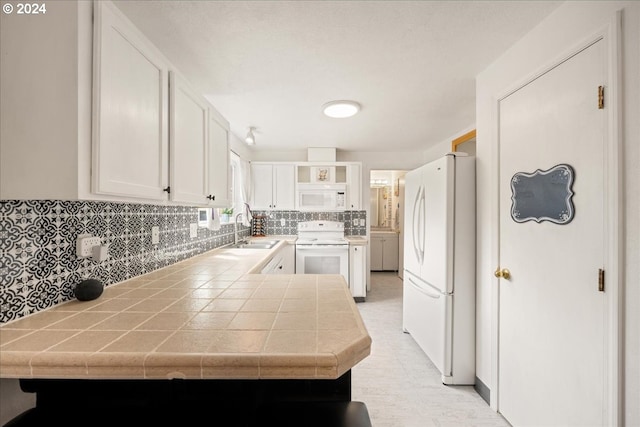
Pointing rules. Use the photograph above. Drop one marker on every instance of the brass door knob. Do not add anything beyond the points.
(504, 273)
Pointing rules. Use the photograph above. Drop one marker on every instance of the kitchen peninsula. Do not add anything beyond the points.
(205, 333)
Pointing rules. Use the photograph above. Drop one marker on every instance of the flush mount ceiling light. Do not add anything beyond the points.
(250, 138)
(340, 109)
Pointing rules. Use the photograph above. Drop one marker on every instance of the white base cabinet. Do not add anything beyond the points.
(282, 262)
(358, 271)
(384, 251)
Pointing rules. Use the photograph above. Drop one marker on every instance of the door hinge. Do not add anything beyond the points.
(601, 280)
(600, 97)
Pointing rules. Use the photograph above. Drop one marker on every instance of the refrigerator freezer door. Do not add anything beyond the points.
(428, 318)
(414, 228)
(438, 182)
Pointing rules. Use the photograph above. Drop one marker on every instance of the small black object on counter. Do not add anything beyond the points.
(88, 290)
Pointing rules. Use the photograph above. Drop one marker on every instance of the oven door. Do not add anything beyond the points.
(323, 259)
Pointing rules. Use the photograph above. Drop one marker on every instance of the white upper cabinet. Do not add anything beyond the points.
(189, 138)
(218, 160)
(354, 187)
(155, 138)
(284, 186)
(273, 186)
(130, 139)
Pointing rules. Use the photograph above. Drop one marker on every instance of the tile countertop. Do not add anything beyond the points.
(207, 317)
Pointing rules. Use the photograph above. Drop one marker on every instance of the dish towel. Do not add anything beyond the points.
(214, 221)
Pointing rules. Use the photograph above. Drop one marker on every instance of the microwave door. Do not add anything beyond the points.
(315, 200)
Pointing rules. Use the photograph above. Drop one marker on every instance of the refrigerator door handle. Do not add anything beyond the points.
(422, 219)
(414, 229)
(425, 291)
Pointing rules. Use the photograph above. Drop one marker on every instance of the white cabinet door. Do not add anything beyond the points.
(390, 253)
(376, 253)
(354, 191)
(284, 187)
(357, 271)
(130, 133)
(273, 186)
(261, 186)
(288, 252)
(188, 143)
(218, 161)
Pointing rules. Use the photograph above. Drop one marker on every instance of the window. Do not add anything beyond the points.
(235, 191)
(236, 202)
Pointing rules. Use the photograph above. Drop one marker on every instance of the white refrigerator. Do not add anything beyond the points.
(439, 264)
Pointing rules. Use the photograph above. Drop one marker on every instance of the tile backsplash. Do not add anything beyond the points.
(354, 221)
(38, 263)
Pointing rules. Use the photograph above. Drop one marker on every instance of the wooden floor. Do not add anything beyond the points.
(398, 382)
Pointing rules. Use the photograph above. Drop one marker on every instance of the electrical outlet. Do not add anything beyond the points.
(84, 245)
(155, 235)
(193, 230)
(283, 222)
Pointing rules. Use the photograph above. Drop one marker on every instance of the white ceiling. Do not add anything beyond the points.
(273, 64)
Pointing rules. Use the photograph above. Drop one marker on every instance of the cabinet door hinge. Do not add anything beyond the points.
(600, 97)
(601, 280)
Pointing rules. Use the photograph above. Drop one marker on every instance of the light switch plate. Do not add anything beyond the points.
(155, 235)
(193, 230)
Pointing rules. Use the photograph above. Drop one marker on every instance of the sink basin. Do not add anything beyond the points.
(260, 244)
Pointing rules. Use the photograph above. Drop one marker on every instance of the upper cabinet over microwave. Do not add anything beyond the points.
(322, 174)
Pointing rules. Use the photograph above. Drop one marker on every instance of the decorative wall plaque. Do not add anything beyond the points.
(543, 195)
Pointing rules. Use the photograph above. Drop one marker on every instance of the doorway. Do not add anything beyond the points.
(386, 203)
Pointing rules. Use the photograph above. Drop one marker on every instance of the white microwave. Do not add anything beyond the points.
(321, 197)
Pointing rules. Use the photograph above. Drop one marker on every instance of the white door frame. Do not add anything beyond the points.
(611, 34)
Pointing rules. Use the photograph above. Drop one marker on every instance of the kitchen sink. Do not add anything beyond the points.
(255, 244)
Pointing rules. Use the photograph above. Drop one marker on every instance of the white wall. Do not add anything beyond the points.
(278, 156)
(561, 32)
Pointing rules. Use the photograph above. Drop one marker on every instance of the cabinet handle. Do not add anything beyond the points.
(210, 197)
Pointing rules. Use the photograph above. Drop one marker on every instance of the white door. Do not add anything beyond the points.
(552, 323)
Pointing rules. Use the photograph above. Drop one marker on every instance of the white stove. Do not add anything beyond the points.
(321, 248)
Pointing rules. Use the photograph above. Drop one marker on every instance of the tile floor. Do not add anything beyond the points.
(398, 383)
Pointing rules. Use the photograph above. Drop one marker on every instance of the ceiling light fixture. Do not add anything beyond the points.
(340, 109)
(250, 138)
